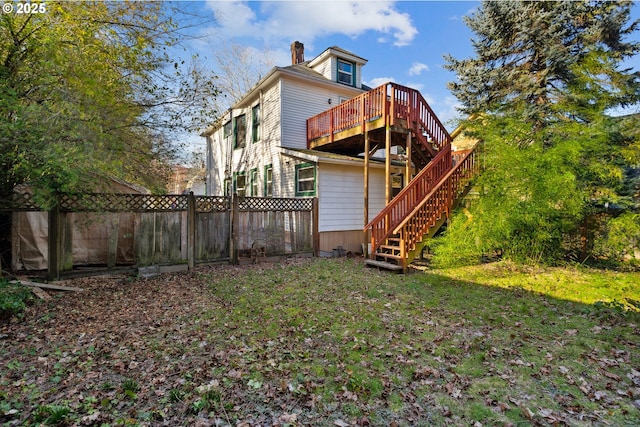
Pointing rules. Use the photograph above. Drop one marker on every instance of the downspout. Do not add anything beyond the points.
(228, 173)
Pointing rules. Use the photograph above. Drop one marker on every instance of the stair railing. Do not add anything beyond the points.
(384, 224)
(409, 104)
(440, 200)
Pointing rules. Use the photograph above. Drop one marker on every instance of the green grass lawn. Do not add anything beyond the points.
(330, 342)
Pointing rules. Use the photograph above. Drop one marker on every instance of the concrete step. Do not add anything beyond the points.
(383, 264)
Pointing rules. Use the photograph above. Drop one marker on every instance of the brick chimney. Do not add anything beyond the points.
(297, 53)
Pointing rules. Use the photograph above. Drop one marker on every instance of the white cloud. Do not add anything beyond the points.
(417, 68)
(306, 20)
(378, 81)
(235, 18)
(417, 86)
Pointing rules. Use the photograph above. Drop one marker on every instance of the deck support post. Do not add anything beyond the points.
(407, 166)
(366, 188)
(387, 164)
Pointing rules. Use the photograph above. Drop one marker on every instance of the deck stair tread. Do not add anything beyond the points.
(391, 256)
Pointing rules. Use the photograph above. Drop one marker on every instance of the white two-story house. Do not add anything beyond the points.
(259, 146)
(379, 161)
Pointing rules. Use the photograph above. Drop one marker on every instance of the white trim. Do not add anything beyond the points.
(339, 53)
(345, 160)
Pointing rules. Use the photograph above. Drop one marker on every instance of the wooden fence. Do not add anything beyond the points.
(112, 231)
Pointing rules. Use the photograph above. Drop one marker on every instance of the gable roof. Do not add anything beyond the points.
(302, 70)
(338, 51)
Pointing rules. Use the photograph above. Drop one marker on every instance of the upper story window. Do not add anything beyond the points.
(226, 129)
(240, 132)
(255, 123)
(346, 72)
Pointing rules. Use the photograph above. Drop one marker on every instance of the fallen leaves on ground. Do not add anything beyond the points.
(321, 342)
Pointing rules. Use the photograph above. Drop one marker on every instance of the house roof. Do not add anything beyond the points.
(301, 70)
(339, 159)
(338, 51)
(346, 52)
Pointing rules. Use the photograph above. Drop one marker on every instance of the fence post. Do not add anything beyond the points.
(235, 223)
(54, 243)
(316, 233)
(191, 230)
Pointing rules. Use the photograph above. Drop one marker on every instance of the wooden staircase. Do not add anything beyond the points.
(401, 229)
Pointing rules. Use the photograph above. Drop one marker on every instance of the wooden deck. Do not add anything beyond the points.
(387, 115)
(341, 129)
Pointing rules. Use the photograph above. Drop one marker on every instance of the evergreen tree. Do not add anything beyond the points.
(544, 78)
(527, 53)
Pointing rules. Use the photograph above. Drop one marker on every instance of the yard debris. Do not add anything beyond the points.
(40, 293)
(50, 286)
(311, 344)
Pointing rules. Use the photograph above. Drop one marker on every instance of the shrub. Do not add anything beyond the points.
(13, 299)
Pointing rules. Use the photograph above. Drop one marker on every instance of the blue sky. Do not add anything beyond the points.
(403, 41)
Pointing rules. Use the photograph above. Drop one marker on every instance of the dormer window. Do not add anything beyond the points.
(346, 72)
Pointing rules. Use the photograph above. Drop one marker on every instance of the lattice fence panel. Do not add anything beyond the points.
(106, 202)
(20, 202)
(270, 204)
(213, 204)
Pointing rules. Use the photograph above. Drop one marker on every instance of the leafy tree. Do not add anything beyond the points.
(89, 90)
(239, 69)
(544, 78)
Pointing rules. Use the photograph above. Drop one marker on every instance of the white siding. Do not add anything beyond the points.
(285, 107)
(213, 175)
(341, 196)
(327, 68)
(301, 101)
(222, 157)
(287, 177)
(359, 76)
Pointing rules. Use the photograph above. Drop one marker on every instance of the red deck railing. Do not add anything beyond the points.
(433, 191)
(356, 111)
(409, 104)
(389, 100)
(438, 202)
(384, 224)
(429, 196)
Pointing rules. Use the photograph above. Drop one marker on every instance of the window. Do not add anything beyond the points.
(226, 129)
(240, 132)
(268, 181)
(253, 177)
(227, 187)
(255, 123)
(306, 179)
(346, 73)
(241, 184)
